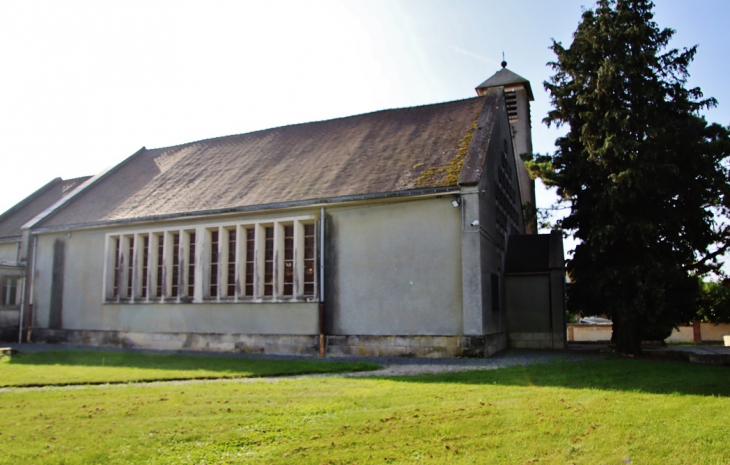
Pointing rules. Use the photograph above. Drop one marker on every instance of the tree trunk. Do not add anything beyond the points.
(626, 336)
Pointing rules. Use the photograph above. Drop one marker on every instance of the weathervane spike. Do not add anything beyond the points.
(504, 63)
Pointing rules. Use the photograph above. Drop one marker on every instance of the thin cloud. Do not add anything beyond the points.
(474, 55)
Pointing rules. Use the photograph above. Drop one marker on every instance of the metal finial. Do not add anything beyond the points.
(504, 63)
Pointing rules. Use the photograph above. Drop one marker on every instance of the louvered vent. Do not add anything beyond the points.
(511, 99)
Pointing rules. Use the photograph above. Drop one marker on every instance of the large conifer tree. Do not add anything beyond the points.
(645, 175)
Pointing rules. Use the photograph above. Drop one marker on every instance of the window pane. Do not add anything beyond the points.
(269, 261)
(250, 254)
(115, 289)
(130, 267)
(231, 283)
(145, 266)
(289, 260)
(175, 264)
(309, 259)
(191, 266)
(214, 264)
(160, 262)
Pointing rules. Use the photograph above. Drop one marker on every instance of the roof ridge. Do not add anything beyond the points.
(339, 118)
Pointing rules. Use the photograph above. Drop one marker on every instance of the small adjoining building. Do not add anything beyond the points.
(384, 233)
(14, 241)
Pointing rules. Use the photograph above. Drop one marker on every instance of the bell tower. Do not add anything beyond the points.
(517, 96)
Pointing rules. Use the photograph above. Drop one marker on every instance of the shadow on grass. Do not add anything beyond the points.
(611, 374)
(139, 367)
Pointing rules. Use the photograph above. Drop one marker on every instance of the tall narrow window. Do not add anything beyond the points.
(130, 268)
(231, 275)
(160, 264)
(250, 257)
(289, 259)
(175, 264)
(115, 288)
(12, 292)
(145, 262)
(309, 260)
(4, 293)
(9, 295)
(191, 266)
(495, 293)
(214, 264)
(269, 261)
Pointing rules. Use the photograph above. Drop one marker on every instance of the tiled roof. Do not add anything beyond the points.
(380, 152)
(12, 220)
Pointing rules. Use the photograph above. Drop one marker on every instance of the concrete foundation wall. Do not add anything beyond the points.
(213, 342)
(386, 346)
(539, 340)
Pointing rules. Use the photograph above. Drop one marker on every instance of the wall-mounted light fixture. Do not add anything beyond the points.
(456, 202)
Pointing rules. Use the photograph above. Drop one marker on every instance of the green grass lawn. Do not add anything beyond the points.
(612, 412)
(98, 367)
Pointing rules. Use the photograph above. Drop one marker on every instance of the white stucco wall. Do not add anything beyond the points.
(396, 269)
(714, 333)
(8, 253)
(681, 334)
(84, 308)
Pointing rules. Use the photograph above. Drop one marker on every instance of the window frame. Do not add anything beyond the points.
(194, 244)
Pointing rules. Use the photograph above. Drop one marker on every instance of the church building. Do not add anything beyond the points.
(386, 233)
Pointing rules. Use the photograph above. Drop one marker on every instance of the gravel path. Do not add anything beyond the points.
(392, 366)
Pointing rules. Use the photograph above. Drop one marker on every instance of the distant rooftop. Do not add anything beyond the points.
(12, 220)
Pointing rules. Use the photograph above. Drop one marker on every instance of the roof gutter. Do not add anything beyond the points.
(430, 192)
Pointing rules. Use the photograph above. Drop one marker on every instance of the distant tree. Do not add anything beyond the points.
(715, 302)
(645, 176)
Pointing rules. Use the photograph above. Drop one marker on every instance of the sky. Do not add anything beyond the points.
(85, 84)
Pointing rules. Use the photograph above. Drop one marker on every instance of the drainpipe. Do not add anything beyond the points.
(22, 306)
(321, 283)
(32, 285)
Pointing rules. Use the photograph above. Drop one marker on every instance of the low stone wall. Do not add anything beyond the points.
(404, 346)
(536, 340)
(683, 334)
(589, 333)
(696, 332)
(713, 332)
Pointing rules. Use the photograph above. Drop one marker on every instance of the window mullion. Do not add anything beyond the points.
(201, 264)
(147, 286)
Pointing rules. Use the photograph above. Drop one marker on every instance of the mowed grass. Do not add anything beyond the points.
(612, 412)
(99, 367)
